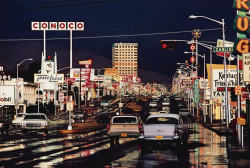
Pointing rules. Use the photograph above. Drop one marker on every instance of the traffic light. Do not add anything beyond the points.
(49, 57)
(168, 45)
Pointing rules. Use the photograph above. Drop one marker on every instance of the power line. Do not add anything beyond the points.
(57, 6)
(112, 36)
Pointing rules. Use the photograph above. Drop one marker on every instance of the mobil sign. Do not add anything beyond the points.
(7, 94)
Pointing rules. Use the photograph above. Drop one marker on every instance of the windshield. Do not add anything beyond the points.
(78, 112)
(162, 120)
(131, 120)
(35, 117)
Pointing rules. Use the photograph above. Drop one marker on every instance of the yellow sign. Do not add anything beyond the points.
(86, 62)
(111, 72)
(70, 106)
(238, 90)
(241, 121)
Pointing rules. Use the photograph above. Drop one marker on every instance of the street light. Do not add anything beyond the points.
(17, 94)
(204, 98)
(225, 68)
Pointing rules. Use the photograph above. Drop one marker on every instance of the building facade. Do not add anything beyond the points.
(125, 58)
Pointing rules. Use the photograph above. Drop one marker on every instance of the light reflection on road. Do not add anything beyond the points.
(212, 151)
(206, 149)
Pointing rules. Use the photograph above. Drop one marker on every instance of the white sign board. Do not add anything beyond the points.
(1, 69)
(246, 67)
(70, 106)
(219, 78)
(202, 83)
(61, 96)
(7, 94)
(48, 78)
(57, 26)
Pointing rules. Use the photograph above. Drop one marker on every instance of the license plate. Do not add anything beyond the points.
(124, 135)
(158, 137)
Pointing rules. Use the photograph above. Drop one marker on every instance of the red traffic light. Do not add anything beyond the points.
(168, 45)
(49, 57)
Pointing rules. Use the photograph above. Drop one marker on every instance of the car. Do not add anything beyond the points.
(153, 104)
(18, 120)
(180, 104)
(165, 128)
(4, 124)
(153, 111)
(124, 126)
(184, 112)
(166, 102)
(163, 112)
(78, 116)
(178, 98)
(35, 121)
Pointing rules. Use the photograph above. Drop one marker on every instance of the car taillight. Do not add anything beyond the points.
(176, 131)
(141, 129)
(108, 127)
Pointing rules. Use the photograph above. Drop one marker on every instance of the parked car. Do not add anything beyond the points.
(4, 124)
(78, 116)
(165, 128)
(35, 121)
(18, 120)
(124, 126)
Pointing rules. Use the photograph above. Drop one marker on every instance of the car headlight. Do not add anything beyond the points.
(43, 124)
(23, 124)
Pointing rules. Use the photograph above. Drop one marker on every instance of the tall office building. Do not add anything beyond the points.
(125, 58)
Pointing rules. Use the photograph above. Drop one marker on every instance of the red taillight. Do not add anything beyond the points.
(176, 130)
(141, 129)
(108, 127)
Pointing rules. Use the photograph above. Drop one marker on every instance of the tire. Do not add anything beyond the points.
(46, 131)
(111, 141)
(24, 131)
(178, 143)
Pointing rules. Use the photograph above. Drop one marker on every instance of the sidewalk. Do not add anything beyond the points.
(238, 156)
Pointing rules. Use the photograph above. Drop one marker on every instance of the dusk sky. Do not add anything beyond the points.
(108, 22)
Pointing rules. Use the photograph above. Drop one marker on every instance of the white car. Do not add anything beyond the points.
(165, 128)
(153, 104)
(35, 121)
(18, 120)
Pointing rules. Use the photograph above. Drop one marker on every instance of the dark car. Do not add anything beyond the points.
(78, 116)
(4, 124)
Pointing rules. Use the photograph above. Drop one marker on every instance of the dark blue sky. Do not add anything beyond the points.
(110, 18)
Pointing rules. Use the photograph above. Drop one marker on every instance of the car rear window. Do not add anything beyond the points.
(162, 120)
(35, 117)
(129, 120)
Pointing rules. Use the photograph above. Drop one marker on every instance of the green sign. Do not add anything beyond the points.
(223, 49)
(196, 91)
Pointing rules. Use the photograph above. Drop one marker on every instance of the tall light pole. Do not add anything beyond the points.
(17, 94)
(204, 76)
(98, 92)
(225, 66)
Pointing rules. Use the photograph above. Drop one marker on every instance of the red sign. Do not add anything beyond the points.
(221, 54)
(245, 95)
(192, 47)
(70, 80)
(192, 59)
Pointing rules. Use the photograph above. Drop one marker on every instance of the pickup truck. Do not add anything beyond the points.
(165, 128)
(124, 126)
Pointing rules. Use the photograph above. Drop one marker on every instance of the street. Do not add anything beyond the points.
(92, 148)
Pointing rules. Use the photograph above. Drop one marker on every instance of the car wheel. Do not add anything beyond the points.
(111, 141)
(178, 143)
(24, 131)
(46, 131)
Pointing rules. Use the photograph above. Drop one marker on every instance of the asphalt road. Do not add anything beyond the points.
(92, 148)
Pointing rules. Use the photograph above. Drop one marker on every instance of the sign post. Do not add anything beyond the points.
(69, 108)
